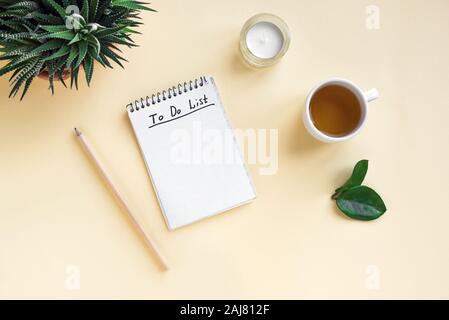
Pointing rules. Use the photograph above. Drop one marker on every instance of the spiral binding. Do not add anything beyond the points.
(166, 94)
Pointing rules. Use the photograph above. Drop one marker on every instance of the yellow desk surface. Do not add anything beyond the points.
(58, 221)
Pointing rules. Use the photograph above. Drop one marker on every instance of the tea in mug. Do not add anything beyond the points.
(335, 110)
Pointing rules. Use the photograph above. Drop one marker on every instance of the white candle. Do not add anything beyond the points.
(264, 40)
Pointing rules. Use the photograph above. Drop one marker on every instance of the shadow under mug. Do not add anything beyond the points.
(363, 98)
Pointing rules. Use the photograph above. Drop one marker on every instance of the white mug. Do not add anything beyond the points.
(363, 97)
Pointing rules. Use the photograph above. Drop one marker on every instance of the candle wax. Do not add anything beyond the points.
(264, 40)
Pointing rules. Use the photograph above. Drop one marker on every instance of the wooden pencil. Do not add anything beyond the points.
(148, 239)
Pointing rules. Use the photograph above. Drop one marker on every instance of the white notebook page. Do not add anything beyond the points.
(190, 151)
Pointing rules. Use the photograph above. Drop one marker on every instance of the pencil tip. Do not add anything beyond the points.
(77, 132)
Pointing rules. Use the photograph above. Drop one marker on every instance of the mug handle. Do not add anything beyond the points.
(371, 95)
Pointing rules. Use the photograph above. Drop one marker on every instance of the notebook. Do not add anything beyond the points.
(190, 151)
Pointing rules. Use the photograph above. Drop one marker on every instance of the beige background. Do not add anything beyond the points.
(291, 242)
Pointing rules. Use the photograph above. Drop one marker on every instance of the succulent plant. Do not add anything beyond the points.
(56, 36)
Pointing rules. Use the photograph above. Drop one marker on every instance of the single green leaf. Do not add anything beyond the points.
(105, 60)
(357, 177)
(129, 30)
(49, 45)
(15, 73)
(361, 203)
(60, 73)
(74, 77)
(56, 28)
(13, 53)
(93, 9)
(88, 66)
(25, 4)
(66, 35)
(101, 33)
(82, 53)
(99, 59)
(85, 10)
(93, 41)
(131, 4)
(73, 54)
(63, 51)
(75, 39)
(46, 18)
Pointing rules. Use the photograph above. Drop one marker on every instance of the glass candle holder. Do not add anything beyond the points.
(264, 40)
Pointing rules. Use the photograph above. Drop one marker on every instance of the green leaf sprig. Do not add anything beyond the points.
(357, 201)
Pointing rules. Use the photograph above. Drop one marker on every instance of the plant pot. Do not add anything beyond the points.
(45, 76)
